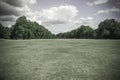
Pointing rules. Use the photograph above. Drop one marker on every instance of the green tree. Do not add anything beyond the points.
(109, 28)
(81, 32)
(4, 32)
(24, 29)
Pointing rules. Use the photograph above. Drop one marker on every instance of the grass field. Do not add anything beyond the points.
(59, 59)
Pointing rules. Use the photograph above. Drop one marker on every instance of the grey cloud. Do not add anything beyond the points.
(55, 22)
(16, 3)
(97, 2)
(108, 11)
(6, 9)
(11, 9)
(8, 18)
(7, 23)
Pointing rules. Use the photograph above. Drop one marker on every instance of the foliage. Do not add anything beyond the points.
(25, 29)
(4, 32)
(81, 32)
(109, 29)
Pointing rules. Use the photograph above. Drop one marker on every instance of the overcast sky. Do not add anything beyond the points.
(60, 15)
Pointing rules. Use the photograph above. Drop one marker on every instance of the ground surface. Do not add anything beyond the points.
(60, 59)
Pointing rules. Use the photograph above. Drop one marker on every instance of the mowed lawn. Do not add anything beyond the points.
(60, 59)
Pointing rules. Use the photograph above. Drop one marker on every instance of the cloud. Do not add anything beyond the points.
(7, 23)
(18, 3)
(59, 14)
(8, 18)
(97, 2)
(86, 20)
(15, 3)
(68, 26)
(12, 9)
(53, 15)
(58, 19)
(107, 11)
(7, 9)
(54, 22)
(55, 18)
(33, 1)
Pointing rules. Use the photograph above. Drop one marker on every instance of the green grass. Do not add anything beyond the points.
(59, 59)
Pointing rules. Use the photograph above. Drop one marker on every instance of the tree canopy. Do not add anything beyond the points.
(81, 32)
(5, 32)
(25, 29)
(109, 29)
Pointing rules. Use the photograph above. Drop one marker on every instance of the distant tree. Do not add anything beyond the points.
(81, 32)
(4, 32)
(109, 29)
(24, 29)
(86, 32)
(1, 31)
(21, 21)
(105, 33)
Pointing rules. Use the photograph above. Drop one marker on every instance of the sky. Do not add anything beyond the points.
(60, 15)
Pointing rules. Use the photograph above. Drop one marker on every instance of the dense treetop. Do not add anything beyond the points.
(25, 29)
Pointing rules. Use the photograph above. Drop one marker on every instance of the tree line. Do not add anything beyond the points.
(25, 29)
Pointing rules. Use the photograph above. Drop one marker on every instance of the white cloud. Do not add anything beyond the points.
(107, 11)
(86, 20)
(7, 23)
(24, 2)
(61, 13)
(97, 2)
(53, 15)
(73, 24)
(33, 1)
(58, 19)
(26, 11)
(61, 16)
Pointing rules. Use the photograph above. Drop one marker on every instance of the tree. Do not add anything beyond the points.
(105, 33)
(24, 29)
(109, 29)
(4, 32)
(81, 32)
(86, 32)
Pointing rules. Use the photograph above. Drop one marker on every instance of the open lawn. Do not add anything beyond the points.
(60, 59)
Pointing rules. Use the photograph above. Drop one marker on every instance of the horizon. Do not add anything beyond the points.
(61, 32)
